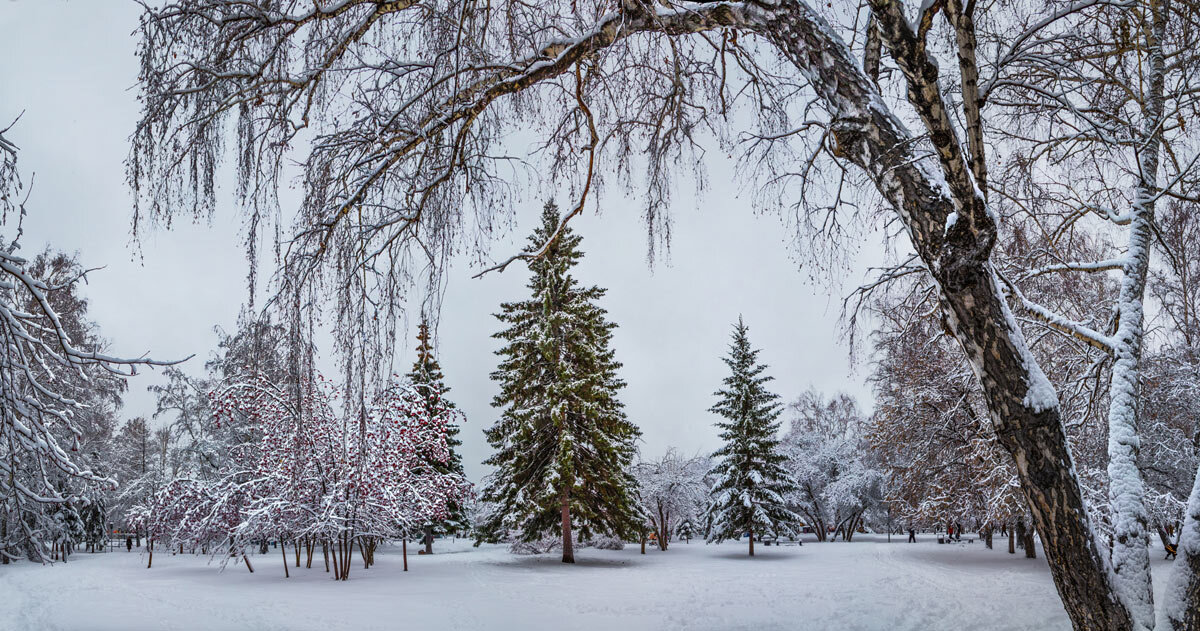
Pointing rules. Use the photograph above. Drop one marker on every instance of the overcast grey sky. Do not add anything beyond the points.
(70, 66)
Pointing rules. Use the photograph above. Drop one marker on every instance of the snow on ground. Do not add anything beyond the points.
(866, 584)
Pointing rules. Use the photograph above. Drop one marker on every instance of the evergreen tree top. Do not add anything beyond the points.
(426, 369)
(744, 395)
(561, 255)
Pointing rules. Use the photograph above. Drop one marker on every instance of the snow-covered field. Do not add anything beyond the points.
(866, 584)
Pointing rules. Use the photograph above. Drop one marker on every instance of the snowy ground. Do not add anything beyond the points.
(866, 584)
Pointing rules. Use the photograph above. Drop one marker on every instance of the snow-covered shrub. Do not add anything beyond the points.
(318, 477)
(604, 542)
(539, 546)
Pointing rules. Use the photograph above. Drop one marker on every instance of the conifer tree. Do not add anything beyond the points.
(563, 444)
(427, 378)
(751, 483)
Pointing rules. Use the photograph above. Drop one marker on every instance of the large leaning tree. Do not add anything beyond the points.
(401, 107)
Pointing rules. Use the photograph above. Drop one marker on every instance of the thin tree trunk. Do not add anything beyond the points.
(429, 539)
(822, 530)
(568, 552)
(1130, 554)
(751, 540)
(664, 519)
(404, 552)
(247, 560)
(343, 554)
(283, 551)
(349, 557)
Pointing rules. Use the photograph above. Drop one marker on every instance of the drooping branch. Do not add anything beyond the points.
(553, 58)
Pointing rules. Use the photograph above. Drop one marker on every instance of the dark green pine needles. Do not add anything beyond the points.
(426, 376)
(750, 481)
(563, 444)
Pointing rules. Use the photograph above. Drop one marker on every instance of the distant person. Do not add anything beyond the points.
(128, 543)
(912, 536)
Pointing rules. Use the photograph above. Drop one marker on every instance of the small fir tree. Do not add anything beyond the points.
(426, 377)
(751, 483)
(686, 530)
(563, 444)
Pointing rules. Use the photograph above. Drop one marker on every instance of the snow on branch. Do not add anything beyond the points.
(1075, 266)
(46, 383)
(1078, 330)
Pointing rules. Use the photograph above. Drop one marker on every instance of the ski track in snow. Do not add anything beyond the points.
(865, 585)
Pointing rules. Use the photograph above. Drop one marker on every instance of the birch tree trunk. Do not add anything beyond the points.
(1130, 545)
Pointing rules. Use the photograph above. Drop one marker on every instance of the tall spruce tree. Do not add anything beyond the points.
(751, 483)
(426, 376)
(563, 444)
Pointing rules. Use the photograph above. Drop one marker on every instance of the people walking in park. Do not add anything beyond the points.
(912, 535)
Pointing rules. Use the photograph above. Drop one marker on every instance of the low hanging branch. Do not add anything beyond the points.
(590, 148)
(44, 380)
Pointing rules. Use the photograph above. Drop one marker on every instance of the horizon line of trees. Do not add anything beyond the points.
(922, 458)
(258, 450)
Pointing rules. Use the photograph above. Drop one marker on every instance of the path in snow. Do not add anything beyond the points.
(866, 584)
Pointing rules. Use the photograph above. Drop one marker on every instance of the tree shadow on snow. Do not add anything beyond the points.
(758, 556)
(552, 560)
